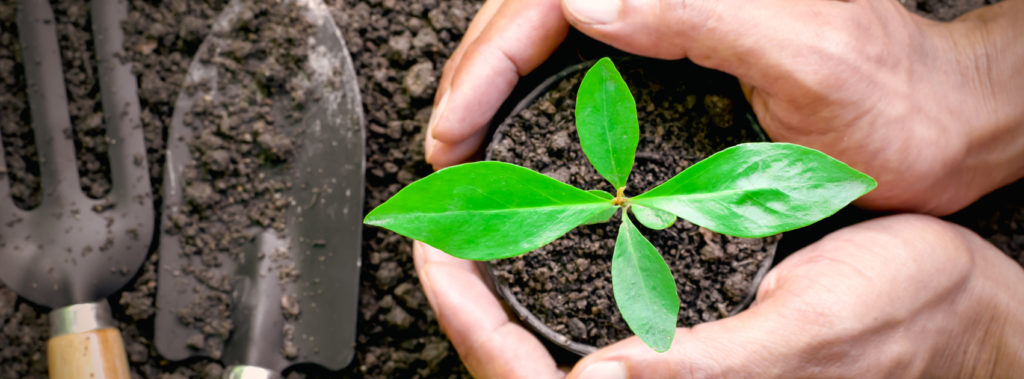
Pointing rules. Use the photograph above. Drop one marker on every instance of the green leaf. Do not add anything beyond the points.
(759, 189)
(602, 194)
(602, 217)
(487, 210)
(653, 218)
(606, 122)
(644, 288)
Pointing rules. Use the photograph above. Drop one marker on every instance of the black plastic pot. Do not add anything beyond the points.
(744, 116)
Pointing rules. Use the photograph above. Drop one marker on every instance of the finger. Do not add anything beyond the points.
(751, 343)
(480, 20)
(452, 154)
(748, 90)
(754, 40)
(489, 343)
(716, 349)
(520, 36)
(759, 105)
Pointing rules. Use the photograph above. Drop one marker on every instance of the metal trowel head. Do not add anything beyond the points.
(291, 293)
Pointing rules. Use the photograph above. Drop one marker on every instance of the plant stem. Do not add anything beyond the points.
(620, 197)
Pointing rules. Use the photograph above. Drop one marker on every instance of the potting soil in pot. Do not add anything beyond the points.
(686, 114)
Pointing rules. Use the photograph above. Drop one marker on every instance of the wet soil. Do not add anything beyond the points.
(686, 114)
(398, 49)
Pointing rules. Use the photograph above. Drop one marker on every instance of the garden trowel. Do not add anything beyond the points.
(275, 324)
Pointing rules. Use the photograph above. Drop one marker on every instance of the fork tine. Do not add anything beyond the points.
(128, 169)
(6, 202)
(48, 99)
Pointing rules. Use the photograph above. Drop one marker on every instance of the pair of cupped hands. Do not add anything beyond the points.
(933, 111)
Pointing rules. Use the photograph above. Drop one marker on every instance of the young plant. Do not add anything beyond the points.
(492, 210)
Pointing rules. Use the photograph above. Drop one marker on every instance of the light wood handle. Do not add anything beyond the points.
(95, 354)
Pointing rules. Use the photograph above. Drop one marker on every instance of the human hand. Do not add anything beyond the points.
(900, 296)
(505, 40)
(489, 343)
(931, 110)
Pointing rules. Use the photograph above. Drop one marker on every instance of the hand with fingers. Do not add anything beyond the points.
(931, 110)
(922, 106)
(863, 302)
(490, 344)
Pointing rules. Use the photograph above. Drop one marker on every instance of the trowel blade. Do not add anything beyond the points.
(318, 275)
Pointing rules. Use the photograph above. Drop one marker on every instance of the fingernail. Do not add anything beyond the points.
(604, 370)
(428, 146)
(435, 114)
(594, 11)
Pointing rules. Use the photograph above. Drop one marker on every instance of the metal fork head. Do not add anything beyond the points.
(71, 248)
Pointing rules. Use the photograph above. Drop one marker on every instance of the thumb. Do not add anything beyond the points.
(751, 343)
(727, 35)
(721, 348)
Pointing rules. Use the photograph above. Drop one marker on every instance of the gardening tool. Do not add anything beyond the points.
(71, 252)
(322, 230)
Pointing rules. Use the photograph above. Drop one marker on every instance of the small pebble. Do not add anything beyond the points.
(420, 79)
(399, 318)
(289, 306)
(196, 341)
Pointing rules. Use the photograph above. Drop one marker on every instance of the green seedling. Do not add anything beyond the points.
(492, 210)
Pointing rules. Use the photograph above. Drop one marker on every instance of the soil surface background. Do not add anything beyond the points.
(686, 114)
(399, 48)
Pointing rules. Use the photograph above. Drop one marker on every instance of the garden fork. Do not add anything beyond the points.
(71, 251)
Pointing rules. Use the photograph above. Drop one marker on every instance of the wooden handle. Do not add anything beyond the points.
(95, 354)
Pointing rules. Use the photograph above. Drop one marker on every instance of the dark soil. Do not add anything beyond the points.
(81, 78)
(398, 48)
(686, 114)
(944, 10)
(999, 218)
(241, 139)
(19, 147)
